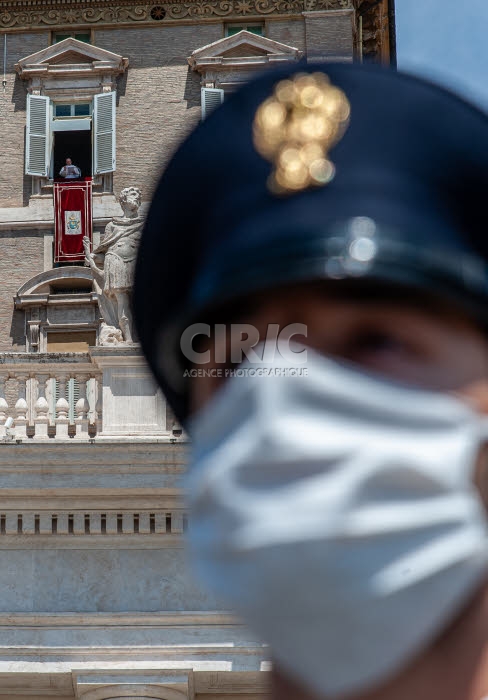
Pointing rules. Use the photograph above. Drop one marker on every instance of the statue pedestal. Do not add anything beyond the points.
(132, 403)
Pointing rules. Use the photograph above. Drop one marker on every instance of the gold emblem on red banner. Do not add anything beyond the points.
(296, 128)
(72, 223)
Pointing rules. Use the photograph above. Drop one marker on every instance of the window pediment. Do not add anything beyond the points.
(69, 57)
(242, 50)
(58, 278)
(245, 50)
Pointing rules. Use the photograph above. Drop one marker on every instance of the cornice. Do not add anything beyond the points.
(213, 56)
(17, 15)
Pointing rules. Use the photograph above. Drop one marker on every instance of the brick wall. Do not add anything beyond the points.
(329, 35)
(158, 98)
(290, 31)
(15, 188)
(21, 257)
(158, 103)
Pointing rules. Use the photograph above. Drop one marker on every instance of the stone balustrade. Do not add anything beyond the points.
(60, 396)
(37, 398)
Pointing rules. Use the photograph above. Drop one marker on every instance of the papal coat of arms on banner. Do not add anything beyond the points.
(72, 223)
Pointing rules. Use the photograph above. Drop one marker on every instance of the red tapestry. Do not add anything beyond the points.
(72, 218)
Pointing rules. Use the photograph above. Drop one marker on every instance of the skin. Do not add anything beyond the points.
(420, 342)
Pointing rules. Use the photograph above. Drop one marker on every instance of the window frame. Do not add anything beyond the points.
(240, 26)
(102, 178)
(70, 34)
(73, 106)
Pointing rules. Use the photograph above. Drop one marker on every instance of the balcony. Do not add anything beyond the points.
(103, 394)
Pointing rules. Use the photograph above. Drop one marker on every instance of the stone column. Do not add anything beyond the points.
(21, 407)
(3, 405)
(41, 421)
(99, 403)
(81, 409)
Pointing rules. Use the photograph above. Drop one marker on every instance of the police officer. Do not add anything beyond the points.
(338, 468)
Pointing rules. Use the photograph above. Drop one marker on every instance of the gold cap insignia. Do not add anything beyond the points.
(295, 129)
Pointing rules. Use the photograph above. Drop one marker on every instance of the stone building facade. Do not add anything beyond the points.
(96, 599)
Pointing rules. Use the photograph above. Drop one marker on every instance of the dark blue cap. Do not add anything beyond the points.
(406, 205)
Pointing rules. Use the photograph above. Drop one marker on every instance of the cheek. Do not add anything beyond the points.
(481, 475)
(465, 363)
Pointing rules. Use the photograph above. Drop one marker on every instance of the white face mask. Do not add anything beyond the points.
(336, 513)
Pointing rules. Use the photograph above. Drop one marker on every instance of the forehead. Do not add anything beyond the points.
(363, 296)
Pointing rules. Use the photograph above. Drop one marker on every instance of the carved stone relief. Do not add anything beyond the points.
(36, 13)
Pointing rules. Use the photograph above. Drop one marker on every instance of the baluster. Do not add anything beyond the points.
(62, 408)
(3, 405)
(41, 421)
(21, 407)
(91, 392)
(81, 409)
(99, 405)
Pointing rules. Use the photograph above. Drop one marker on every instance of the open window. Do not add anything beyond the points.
(84, 132)
(72, 136)
(71, 109)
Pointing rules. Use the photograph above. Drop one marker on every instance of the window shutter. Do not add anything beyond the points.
(71, 394)
(211, 99)
(54, 398)
(104, 132)
(37, 136)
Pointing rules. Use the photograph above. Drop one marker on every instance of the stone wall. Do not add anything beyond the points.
(21, 257)
(329, 35)
(15, 188)
(159, 97)
(158, 102)
(290, 31)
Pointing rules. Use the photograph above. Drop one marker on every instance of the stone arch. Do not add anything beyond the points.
(134, 692)
(57, 277)
(61, 300)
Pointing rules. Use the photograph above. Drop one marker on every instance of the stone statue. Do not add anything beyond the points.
(112, 264)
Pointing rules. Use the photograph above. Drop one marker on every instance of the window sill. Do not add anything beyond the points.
(44, 188)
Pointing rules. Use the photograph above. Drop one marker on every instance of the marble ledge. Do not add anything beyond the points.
(40, 213)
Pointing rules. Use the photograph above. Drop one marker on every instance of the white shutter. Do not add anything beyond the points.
(104, 132)
(211, 99)
(71, 394)
(37, 136)
(55, 397)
